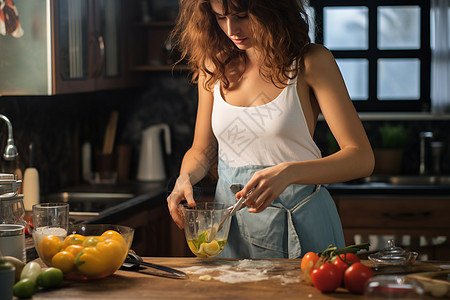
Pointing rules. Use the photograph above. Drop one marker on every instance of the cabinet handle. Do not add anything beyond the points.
(101, 52)
(408, 216)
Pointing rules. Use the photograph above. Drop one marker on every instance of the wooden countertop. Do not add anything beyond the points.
(229, 279)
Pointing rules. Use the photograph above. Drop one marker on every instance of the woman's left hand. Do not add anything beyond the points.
(264, 187)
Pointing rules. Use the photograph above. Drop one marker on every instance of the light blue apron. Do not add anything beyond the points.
(303, 218)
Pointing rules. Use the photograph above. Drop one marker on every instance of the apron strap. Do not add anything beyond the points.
(294, 246)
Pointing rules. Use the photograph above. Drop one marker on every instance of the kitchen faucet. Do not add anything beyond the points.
(11, 152)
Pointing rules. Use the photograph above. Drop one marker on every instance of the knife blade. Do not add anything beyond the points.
(174, 272)
(404, 269)
(133, 260)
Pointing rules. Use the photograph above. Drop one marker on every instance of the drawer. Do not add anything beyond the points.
(394, 212)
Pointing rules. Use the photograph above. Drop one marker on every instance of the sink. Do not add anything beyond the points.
(84, 206)
(410, 179)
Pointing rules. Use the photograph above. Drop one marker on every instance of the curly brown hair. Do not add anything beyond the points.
(279, 28)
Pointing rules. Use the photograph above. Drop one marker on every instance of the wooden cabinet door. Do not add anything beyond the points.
(89, 42)
(109, 43)
(71, 27)
(413, 214)
(419, 217)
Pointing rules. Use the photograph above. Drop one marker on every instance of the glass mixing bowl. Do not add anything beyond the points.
(89, 251)
(399, 287)
(198, 222)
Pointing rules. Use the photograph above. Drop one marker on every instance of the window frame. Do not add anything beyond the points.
(372, 54)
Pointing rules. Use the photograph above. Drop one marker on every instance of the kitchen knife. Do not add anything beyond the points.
(404, 269)
(133, 260)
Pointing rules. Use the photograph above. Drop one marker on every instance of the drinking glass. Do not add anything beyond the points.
(50, 219)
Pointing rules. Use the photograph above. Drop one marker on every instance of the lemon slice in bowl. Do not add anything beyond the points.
(212, 248)
(201, 251)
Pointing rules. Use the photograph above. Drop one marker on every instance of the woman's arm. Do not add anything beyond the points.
(355, 157)
(353, 160)
(197, 160)
(203, 151)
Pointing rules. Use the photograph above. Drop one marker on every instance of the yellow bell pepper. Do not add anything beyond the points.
(102, 260)
(114, 253)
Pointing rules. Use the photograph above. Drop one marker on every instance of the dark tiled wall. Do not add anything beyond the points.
(58, 125)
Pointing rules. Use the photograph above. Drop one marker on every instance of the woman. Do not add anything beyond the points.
(261, 85)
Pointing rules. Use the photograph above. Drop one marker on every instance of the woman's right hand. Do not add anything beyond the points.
(181, 191)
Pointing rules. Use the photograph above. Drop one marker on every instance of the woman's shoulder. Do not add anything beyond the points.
(316, 53)
(316, 58)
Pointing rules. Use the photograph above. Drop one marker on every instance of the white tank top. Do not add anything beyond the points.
(268, 134)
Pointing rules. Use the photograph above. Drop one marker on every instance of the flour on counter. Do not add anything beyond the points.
(246, 270)
(288, 278)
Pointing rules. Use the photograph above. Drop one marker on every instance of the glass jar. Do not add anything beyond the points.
(12, 210)
(11, 204)
(393, 255)
(12, 241)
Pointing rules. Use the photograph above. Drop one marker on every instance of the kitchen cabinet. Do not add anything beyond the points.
(422, 217)
(90, 40)
(151, 234)
(156, 234)
(68, 47)
(154, 21)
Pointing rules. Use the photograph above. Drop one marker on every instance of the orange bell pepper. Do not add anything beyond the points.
(102, 260)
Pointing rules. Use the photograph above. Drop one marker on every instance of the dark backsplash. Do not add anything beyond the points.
(59, 125)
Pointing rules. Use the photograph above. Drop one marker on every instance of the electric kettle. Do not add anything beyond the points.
(151, 159)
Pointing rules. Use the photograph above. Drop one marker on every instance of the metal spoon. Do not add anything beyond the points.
(230, 211)
(133, 261)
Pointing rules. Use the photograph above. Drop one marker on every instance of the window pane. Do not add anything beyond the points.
(398, 79)
(356, 77)
(346, 28)
(398, 27)
(312, 24)
(438, 16)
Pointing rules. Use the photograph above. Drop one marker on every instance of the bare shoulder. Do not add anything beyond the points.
(316, 51)
(317, 59)
(205, 74)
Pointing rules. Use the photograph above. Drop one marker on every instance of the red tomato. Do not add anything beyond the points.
(326, 278)
(307, 258)
(356, 276)
(345, 260)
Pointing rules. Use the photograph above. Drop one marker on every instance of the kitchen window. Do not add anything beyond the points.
(382, 49)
